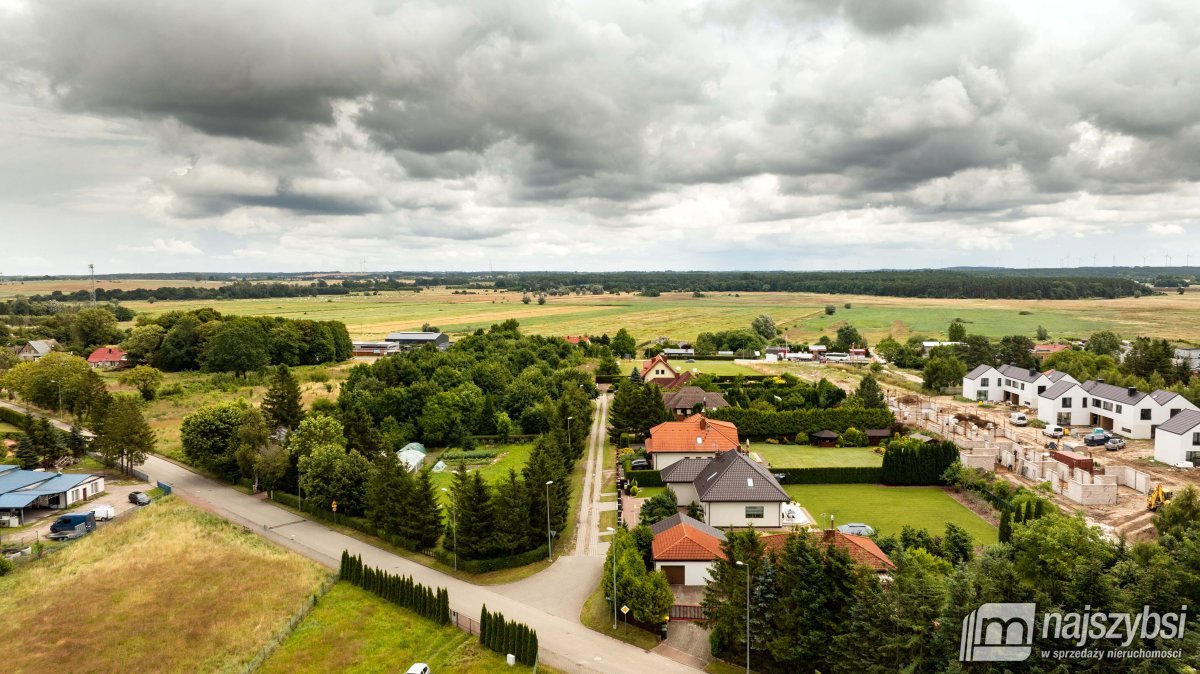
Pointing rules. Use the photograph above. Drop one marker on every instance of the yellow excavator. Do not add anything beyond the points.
(1157, 498)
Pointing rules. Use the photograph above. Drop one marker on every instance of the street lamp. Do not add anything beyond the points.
(549, 537)
(743, 564)
(454, 527)
(569, 447)
(614, 565)
(59, 383)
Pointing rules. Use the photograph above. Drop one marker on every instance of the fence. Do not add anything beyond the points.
(688, 612)
(464, 622)
(165, 487)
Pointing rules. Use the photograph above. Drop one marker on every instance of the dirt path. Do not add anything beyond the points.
(588, 524)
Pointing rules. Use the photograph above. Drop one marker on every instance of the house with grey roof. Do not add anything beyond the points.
(1123, 410)
(1177, 441)
(691, 399)
(406, 341)
(36, 348)
(1010, 384)
(737, 492)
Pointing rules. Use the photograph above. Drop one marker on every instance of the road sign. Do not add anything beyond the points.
(624, 609)
(334, 506)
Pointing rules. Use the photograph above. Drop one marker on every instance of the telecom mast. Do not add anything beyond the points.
(92, 272)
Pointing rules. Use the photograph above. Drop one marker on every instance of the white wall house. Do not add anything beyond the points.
(1123, 411)
(1178, 439)
(684, 549)
(737, 492)
(1011, 384)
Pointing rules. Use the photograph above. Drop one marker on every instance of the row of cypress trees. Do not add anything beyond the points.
(505, 636)
(400, 590)
(1019, 514)
(910, 461)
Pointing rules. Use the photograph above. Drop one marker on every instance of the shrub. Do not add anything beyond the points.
(757, 423)
(318, 376)
(830, 475)
(469, 455)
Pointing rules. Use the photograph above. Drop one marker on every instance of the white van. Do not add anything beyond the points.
(1018, 419)
(1053, 431)
(103, 511)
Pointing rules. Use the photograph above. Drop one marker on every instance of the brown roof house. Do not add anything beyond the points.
(696, 437)
(685, 549)
(692, 399)
(658, 370)
(862, 550)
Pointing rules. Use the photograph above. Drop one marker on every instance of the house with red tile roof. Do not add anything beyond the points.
(107, 357)
(696, 437)
(684, 549)
(577, 339)
(1040, 351)
(862, 550)
(658, 370)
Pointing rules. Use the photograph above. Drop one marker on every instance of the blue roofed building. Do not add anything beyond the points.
(22, 490)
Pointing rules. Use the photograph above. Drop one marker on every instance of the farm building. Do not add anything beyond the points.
(1040, 351)
(684, 549)
(22, 490)
(696, 437)
(375, 348)
(406, 341)
(1178, 439)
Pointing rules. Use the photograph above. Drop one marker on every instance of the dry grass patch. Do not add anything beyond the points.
(169, 589)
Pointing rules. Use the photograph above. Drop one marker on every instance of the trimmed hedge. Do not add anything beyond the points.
(356, 523)
(644, 478)
(400, 590)
(909, 461)
(506, 636)
(494, 564)
(830, 475)
(468, 454)
(758, 424)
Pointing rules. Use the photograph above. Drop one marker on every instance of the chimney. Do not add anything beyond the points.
(1033, 372)
(1133, 390)
(1099, 381)
(829, 535)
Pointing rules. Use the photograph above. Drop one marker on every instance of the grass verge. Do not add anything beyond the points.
(890, 508)
(596, 615)
(807, 456)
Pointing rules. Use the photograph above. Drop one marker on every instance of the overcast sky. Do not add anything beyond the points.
(285, 135)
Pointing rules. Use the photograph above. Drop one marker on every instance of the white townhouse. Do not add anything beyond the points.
(1178, 439)
(1010, 384)
(1122, 410)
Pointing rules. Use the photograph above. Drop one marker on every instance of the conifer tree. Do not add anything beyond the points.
(281, 405)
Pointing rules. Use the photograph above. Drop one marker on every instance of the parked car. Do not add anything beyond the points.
(640, 464)
(857, 529)
(103, 511)
(1114, 444)
(139, 498)
(67, 523)
(419, 668)
(1018, 419)
(1095, 440)
(1053, 431)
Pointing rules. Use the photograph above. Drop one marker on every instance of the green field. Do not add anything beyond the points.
(807, 456)
(682, 317)
(512, 456)
(8, 428)
(887, 509)
(351, 630)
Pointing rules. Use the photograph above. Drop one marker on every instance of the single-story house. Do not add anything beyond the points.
(684, 549)
(876, 436)
(823, 438)
(1040, 351)
(737, 492)
(658, 370)
(862, 550)
(375, 348)
(36, 348)
(683, 403)
(1178, 439)
(695, 437)
(415, 340)
(107, 357)
(23, 489)
(1123, 410)
(679, 353)
(577, 339)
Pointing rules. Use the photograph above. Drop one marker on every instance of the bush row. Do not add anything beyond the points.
(357, 523)
(503, 636)
(495, 563)
(756, 424)
(830, 475)
(468, 454)
(400, 590)
(644, 478)
(909, 461)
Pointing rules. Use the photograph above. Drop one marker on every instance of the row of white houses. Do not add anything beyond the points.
(1059, 399)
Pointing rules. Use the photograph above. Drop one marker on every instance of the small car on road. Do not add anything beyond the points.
(139, 498)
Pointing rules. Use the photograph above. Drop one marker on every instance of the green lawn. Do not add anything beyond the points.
(8, 428)
(351, 630)
(493, 470)
(889, 508)
(806, 456)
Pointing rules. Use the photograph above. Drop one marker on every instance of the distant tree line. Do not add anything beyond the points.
(238, 290)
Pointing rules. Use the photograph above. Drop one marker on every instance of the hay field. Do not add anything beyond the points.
(168, 589)
(9, 288)
(681, 316)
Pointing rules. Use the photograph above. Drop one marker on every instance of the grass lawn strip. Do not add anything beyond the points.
(887, 509)
(807, 456)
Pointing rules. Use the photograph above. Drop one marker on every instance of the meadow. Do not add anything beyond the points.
(808, 456)
(352, 630)
(168, 589)
(887, 509)
(492, 470)
(681, 316)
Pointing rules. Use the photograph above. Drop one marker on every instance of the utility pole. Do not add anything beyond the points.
(92, 273)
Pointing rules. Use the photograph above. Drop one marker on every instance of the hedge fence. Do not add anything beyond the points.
(644, 478)
(761, 424)
(830, 475)
(495, 563)
(504, 637)
(400, 590)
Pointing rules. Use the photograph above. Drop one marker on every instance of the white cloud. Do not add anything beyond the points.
(165, 246)
(1166, 229)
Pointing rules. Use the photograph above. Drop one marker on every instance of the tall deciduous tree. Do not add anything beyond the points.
(210, 437)
(124, 436)
(764, 325)
(145, 379)
(236, 346)
(281, 405)
(957, 331)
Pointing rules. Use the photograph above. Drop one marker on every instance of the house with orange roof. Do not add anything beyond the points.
(696, 437)
(862, 550)
(684, 549)
(658, 370)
